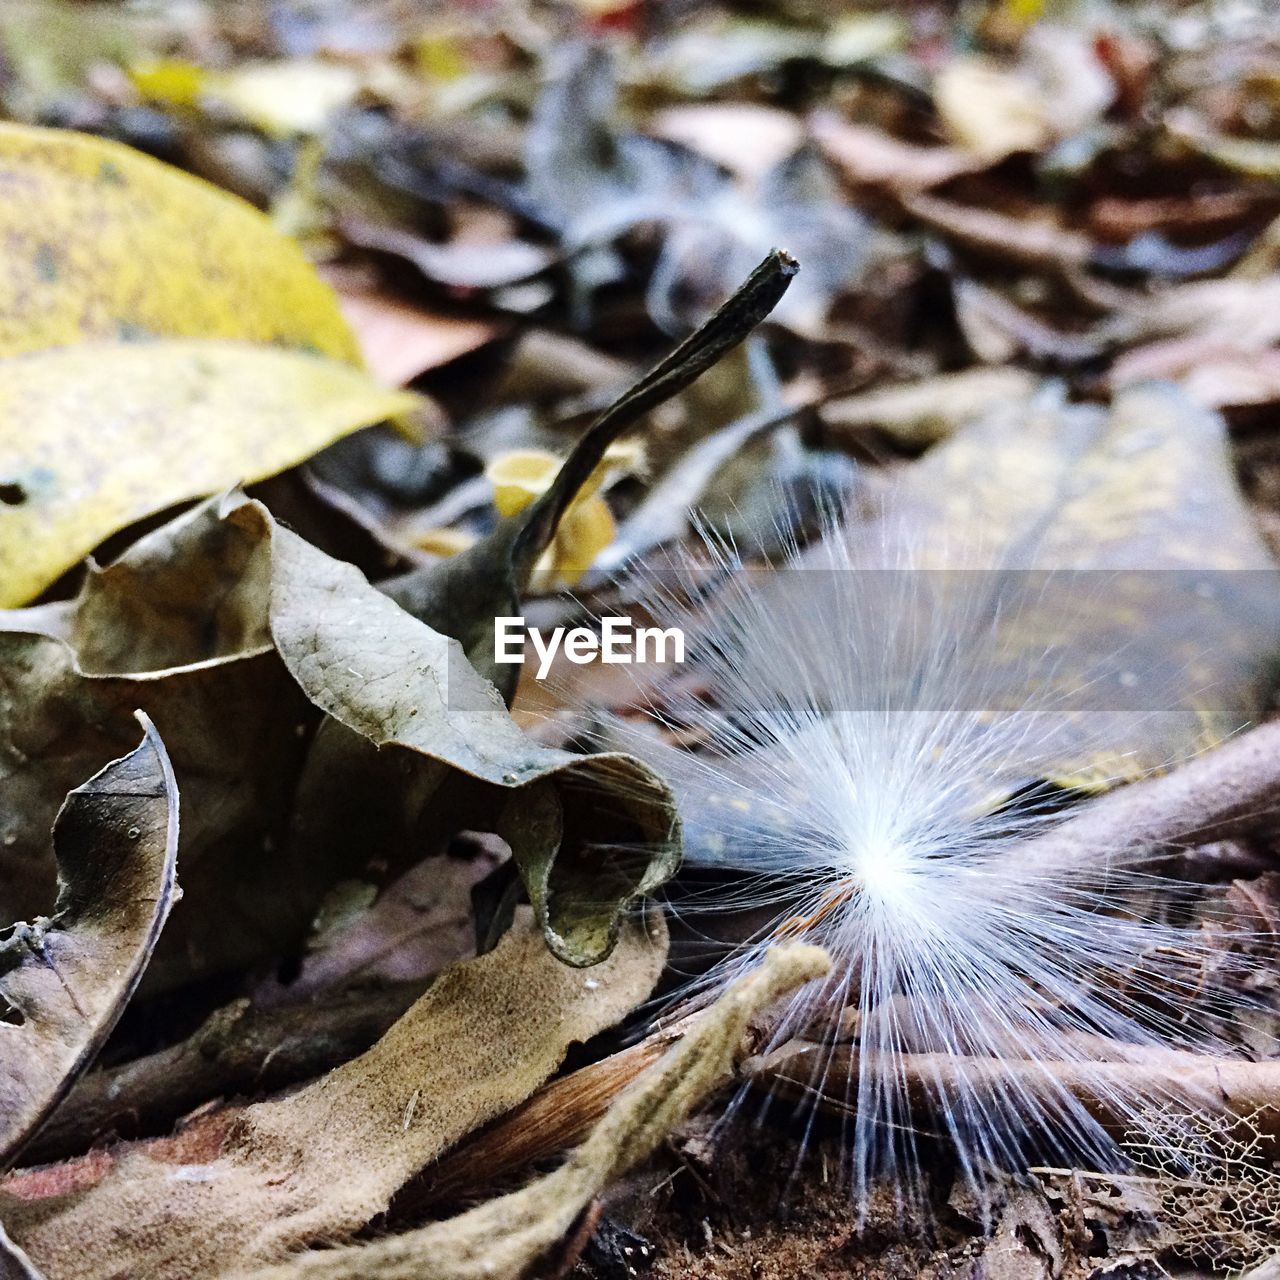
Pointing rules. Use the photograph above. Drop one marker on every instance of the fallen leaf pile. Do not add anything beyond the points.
(329, 333)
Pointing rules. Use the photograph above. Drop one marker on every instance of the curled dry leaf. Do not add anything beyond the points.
(918, 414)
(65, 979)
(1039, 244)
(390, 681)
(321, 1163)
(177, 626)
(1253, 157)
(500, 1240)
(231, 631)
(746, 138)
(96, 436)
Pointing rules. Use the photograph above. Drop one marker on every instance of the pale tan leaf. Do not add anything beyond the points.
(321, 1163)
(502, 1239)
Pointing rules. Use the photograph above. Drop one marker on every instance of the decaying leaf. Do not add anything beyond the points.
(396, 683)
(130, 300)
(596, 183)
(502, 1239)
(1039, 244)
(1118, 533)
(248, 628)
(746, 138)
(65, 979)
(178, 627)
(318, 1165)
(399, 341)
(1254, 157)
(98, 435)
(106, 244)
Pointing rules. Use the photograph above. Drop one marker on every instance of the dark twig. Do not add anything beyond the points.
(708, 344)
(237, 1050)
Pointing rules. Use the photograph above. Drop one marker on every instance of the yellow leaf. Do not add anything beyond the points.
(585, 529)
(284, 98)
(445, 542)
(102, 242)
(1023, 12)
(172, 81)
(96, 436)
(440, 56)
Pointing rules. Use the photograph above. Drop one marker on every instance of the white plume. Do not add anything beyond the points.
(865, 739)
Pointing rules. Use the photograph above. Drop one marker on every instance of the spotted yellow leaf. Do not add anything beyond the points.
(95, 436)
(102, 242)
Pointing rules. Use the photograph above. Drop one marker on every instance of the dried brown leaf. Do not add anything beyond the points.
(177, 627)
(230, 631)
(321, 1163)
(399, 341)
(928, 411)
(502, 1239)
(65, 979)
(869, 156)
(1029, 243)
(389, 681)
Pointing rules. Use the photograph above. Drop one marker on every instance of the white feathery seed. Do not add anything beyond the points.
(862, 735)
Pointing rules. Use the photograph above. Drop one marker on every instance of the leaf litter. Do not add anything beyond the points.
(1010, 222)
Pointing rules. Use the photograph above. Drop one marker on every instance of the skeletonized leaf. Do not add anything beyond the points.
(94, 437)
(320, 1163)
(104, 243)
(65, 980)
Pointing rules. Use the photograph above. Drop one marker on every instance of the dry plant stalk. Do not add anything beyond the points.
(502, 1238)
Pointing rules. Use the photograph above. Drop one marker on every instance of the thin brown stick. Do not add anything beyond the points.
(1229, 792)
(1107, 1090)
